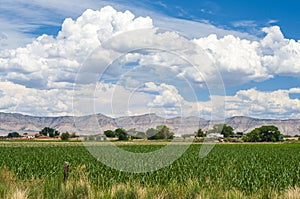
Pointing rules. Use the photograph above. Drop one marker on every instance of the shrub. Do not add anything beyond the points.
(65, 136)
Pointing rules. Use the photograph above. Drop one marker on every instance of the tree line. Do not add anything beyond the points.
(46, 131)
(262, 134)
(162, 132)
(159, 133)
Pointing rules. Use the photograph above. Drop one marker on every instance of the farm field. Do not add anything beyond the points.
(35, 170)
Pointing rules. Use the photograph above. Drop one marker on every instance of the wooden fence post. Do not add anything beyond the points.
(66, 171)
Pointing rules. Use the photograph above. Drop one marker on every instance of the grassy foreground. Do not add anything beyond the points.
(34, 170)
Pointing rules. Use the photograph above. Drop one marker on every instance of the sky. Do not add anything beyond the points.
(209, 59)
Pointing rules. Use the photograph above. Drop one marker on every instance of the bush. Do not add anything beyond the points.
(161, 132)
(65, 136)
(47, 131)
(198, 139)
(109, 133)
(73, 135)
(200, 133)
(121, 133)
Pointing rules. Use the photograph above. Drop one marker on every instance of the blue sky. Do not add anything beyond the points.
(262, 35)
(248, 16)
(227, 13)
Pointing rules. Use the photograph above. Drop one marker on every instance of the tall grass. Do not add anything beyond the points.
(79, 187)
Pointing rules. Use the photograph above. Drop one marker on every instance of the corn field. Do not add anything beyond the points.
(244, 170)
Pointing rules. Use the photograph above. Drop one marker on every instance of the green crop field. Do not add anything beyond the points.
(35, 170)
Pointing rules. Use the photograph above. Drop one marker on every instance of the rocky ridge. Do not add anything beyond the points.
(10, 122)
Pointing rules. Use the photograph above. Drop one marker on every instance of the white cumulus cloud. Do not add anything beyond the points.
(263, 104)
(242, 60)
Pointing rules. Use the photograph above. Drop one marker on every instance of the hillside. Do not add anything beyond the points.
(10, 122)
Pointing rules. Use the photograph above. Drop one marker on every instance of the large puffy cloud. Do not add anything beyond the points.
(93, 26)
(281, 55)
(242, 60)
(48, 65)
(168, 96)
(48, 60)
(238, 60)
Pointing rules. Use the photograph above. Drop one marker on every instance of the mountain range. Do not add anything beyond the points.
(95, 124)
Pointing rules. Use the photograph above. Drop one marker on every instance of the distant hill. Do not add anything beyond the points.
(246, 124)
(10, 122)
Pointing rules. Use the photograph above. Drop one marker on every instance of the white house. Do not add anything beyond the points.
(215, 135)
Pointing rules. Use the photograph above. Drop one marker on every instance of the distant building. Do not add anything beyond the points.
(214, 135)
(28, 136)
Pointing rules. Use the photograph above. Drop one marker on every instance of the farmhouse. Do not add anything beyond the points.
(215, 135)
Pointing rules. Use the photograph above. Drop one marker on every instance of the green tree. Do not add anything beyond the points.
(132, 133)
(139, 135)
(270, 134)
(65, 136)
(151, 133)
(121, 133)
(240, 133)
(165, 131)
(47, 131)
(253, 136)
(73, 135)
(13, 135)
(227, 131)
(264, 134)
(157, 136)
(161, 132)
(109, 133)
(200, 133)
(223, 129)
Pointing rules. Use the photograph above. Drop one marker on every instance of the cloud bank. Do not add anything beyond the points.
(38, 79)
